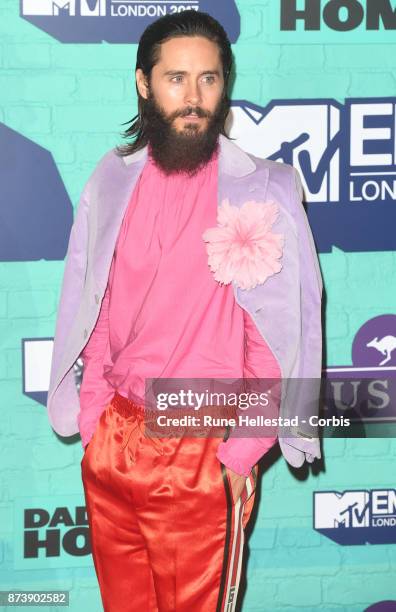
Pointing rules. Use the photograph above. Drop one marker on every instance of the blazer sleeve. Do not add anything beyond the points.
(303, 394)
(72, 284)
(240, 453)
(95, 391)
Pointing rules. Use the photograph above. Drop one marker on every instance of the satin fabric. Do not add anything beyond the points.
(166, 534)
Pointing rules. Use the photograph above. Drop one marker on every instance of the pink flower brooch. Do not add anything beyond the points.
(242, 248)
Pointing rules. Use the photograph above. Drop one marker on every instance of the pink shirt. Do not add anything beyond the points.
(163, 314)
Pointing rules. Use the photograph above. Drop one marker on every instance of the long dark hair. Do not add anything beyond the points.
(185, 23)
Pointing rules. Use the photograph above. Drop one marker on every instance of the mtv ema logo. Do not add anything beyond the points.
(356, 517)
(117, 21)
(346, 155)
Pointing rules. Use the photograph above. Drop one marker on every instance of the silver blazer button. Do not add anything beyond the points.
(97, 298)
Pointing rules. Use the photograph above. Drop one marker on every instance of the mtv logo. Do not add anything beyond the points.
(301, 133)
(49, 7)
(341, 510)
(92, 8)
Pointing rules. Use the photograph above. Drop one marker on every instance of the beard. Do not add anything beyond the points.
(188, 150)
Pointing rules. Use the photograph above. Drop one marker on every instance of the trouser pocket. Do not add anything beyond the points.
(99, 424)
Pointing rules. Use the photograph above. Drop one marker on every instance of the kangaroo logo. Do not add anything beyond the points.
(385, 346)
(378, 333)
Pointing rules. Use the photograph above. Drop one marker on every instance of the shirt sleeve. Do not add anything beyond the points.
(95, 391)
(240, 454)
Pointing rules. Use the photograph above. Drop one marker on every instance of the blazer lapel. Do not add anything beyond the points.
(110, 199)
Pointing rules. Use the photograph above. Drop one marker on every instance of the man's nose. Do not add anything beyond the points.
(193, 94)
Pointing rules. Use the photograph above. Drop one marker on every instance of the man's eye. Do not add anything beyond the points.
(209, 79)
(177, 79)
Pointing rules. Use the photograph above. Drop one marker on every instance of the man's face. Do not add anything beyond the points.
(184, 104)
(186, 83)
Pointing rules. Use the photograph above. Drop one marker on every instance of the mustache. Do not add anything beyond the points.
(189, 110)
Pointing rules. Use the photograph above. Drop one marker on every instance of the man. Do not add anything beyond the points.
(154, 289)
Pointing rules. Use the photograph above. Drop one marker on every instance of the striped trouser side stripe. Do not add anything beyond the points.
(235, 544)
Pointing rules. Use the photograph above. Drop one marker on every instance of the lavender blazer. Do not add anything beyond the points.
(286, 308)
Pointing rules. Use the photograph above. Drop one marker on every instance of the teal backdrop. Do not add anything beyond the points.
(72, 99)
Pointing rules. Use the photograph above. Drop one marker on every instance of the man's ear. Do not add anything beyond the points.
(141, 83)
